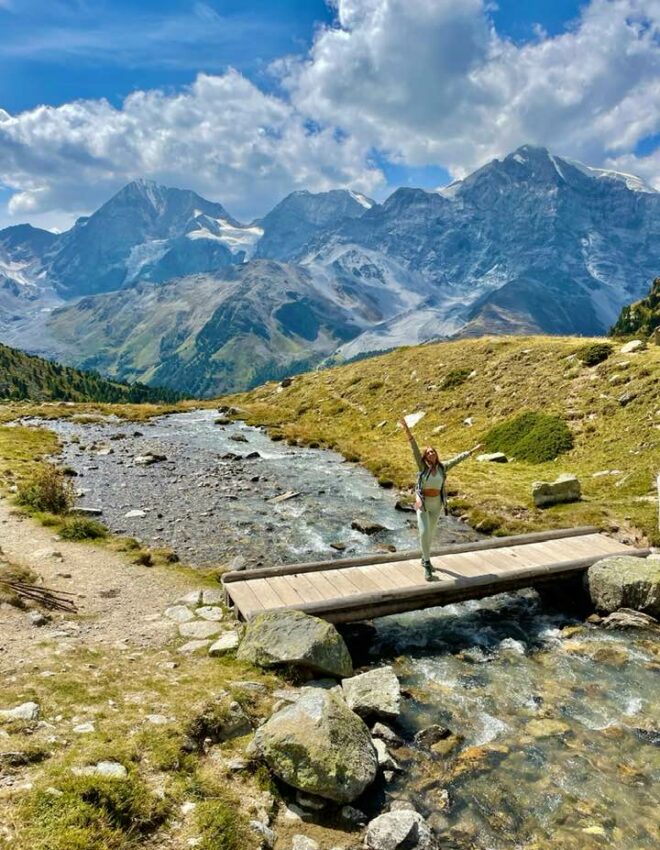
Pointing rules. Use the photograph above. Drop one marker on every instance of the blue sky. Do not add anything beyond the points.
(403, 119)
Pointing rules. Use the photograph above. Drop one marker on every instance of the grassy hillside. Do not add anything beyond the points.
(23, 376)
(612, 410)
(642, 317)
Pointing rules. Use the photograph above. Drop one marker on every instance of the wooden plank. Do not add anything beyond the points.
(323, 584)
(344, 585)
(266, 593)
(408, 573)
(306, 589)
(389, 577)
(362, 580)
(490, 543)
(245, 599)
(384, 582)
(458, 565)
(285, 590)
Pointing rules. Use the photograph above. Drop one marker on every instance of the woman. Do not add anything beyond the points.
(431, 497)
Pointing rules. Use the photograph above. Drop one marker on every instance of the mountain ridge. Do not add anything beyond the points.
(530, 243)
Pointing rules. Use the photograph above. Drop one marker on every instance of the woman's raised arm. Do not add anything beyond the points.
(413, 444)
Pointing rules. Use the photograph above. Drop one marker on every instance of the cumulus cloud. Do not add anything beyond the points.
(221, 136)
(427, 82)
(431, 81)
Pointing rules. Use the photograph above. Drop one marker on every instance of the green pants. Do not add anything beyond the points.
(427, 520)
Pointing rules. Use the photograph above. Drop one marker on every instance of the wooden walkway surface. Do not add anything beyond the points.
(355, 589)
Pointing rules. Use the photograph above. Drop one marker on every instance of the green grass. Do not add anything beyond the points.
(594, 353)
(531, 436)
(80, 528)
(47, 490)
(513, 374)
(454, 378)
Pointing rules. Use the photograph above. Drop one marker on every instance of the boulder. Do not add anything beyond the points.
(403, 829)
(493, 457)
(278, 638)
(28, 711)
(318, 745)
(624, 581)
(566, 488)
(632, 346)
(376, 693)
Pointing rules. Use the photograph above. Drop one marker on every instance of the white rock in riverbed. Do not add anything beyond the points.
(399, 829)
(375, 693)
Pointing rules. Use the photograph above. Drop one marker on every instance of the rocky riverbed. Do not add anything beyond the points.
(207, 492)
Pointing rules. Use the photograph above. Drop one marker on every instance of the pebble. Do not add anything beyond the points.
(107, 769)
(84, 728)
(135, 514)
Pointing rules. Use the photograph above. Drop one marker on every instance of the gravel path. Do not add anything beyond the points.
(120, 604)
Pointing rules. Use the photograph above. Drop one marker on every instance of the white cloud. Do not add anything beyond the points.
(221, 136)
(430, 82)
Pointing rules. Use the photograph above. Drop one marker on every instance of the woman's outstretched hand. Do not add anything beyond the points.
(404, 425)
(475, 449)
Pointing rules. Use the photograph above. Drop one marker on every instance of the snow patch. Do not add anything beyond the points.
(365, 202)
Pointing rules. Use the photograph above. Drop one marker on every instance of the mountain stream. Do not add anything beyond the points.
(553, 725)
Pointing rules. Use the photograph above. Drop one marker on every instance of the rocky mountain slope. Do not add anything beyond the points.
(641, 318)
(23, 376)
(530, 244)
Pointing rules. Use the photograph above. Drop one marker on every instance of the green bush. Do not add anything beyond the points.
(79, 528)
(454, 378)
(49, 490)
(531, 436)
(593, 353)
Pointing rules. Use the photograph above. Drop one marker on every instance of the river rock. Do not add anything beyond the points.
(210, 612)
(493, 457)
(318, 745)
(566, 488)
(624, 581)
(366, 527)
(148, 459)
(376, 693)
(28, 711)
(625, 618)
(281, 638)
(402, 829)
(303, 842)
(135, 514)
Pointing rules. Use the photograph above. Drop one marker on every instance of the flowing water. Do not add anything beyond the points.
(553, 737)
(214, 509)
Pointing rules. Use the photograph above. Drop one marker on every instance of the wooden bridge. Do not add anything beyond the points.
(352, 589)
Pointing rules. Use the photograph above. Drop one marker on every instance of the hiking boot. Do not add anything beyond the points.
(428, 570)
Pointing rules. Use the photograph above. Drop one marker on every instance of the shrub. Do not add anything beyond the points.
(454, 378)
(49, 490)
(531, 436)
(593, 353)
(80, 528)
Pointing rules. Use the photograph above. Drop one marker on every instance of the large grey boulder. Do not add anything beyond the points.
(623, 581)
(278, 638)
(566, 488)
(403, 829)
(318, 745)
(376, 693)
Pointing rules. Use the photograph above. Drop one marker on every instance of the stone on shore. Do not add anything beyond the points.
(319, 746)
(402, 829)
(625, 618)
(179, 613)
(281, 638)
(493, 457)
(376, 693)
(199, 629)
(227, 643)
(624, 581)
(632, 346)
(566, 488)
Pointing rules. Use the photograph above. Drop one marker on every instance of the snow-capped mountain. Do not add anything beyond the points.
(531, 243)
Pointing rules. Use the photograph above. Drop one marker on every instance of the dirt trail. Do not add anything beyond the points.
(120, 604)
